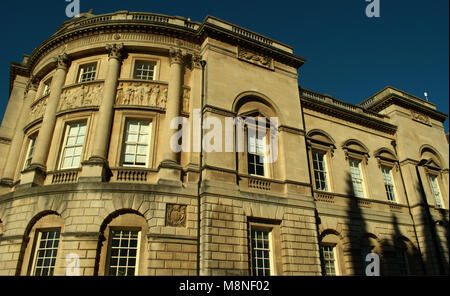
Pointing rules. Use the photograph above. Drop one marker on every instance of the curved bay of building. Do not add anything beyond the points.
(87, 170)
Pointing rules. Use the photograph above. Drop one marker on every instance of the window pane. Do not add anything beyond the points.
(260, 252)
(319, 171)
(73, 146)
(46, 252)
(357, 180)
(329, 260)
(123, 249)
(136, 143)
(436, 191)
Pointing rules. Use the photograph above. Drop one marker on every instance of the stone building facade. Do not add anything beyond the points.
(91, 185)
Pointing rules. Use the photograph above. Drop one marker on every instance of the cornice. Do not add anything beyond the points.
(358, 118)
(165, 25)
(404, 102)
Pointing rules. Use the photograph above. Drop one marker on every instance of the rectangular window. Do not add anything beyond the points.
(124, 252)
(45, 254)
(73, 145)
(388, 183)
(436, 192)
(357, 178)
(320, 171)
(30, 151)
(136, 143)
(255, 154)
(329, 257)
(144, 70)
(47, 85)
(87, 72)
(261, 253)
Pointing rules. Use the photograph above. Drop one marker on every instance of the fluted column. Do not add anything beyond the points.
(36, 173)
(18, 137)
(169, 167)
(95, 167)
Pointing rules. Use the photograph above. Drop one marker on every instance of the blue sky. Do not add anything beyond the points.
(349, 55)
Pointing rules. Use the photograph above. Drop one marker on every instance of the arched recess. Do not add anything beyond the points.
(385, 154)
(251, 101)
(250, 107)
(43, 221)
(332, 252)
(353, 146)
(433, 157)
(407, 256)
(123, 223)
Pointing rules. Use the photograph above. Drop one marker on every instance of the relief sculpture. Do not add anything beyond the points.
(141, 94)
(37, 110)
(84, 95)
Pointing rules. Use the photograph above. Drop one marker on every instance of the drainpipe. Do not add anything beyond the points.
(316, 213)
(199, 185)
(394, 144)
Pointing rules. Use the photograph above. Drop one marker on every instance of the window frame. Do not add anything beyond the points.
(273, 227)
(392, 180)
(148, 161)
(145, 61)
(335, 258)
(37, 240)
(30, 145)
(63, 146)
(47, 84)
(435, 176)
(138, 247)
(128, 220)
(363, 179)
(325, 160)
(268, 167)
(47, 222)
(80, 73)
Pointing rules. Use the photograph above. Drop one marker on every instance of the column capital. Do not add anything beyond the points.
(175, 55)
(62, 61)
(115, 51)
(196, 61)
(32, 84)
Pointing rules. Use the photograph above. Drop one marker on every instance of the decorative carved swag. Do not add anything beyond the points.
(254, 58)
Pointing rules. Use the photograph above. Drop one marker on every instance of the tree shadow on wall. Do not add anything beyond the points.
(356, 247)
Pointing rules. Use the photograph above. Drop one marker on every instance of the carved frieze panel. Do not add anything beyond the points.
(420, 117)
(81, 96)
(255, 58)
(176, 215)
(142, 94)
(38, 109)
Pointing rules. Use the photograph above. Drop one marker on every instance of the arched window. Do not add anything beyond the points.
(387, 162)
(122, 245)
(256, 137)
(357, 155)
(331, 253)
(433, 167)
(320, 152)
(40, 247)
(369, 244)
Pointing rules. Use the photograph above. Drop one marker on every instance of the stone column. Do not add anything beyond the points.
(18, 137)
(36, 173)
(169, 167)
(95, 168)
